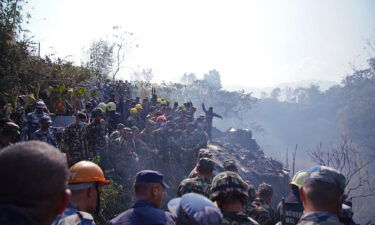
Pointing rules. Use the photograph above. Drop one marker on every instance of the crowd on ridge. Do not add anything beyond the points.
(127, 134)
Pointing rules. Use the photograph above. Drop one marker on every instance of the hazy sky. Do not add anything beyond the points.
(251, 43)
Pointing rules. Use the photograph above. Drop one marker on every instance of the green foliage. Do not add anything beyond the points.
(114, 200)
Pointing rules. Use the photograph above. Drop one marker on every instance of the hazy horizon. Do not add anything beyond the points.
(251, 43)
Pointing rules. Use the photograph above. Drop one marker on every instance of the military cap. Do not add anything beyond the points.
(45, 119)
(265, 189)
(204, 153)
(194, 208)
(230, 165)
(10, 127)
(326, 174)
(228, 182)
(150, 176)
(120, 126)
(206, 164)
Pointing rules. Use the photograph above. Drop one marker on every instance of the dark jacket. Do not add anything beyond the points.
(143, 213)
(10, 214)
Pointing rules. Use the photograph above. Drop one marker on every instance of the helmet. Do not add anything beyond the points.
(181, 107)
(228, 182)
(163, 102)
(133, 110)
(111, 106)
(138, 106)
(299, 178)
(40, 105)
(102, 106)
(161, 118)
(158, 100)
(97, 111)
(84, 172)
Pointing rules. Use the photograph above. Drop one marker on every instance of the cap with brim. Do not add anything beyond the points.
(150, 176)
(45, 119)
(195, 209)
(328, 175)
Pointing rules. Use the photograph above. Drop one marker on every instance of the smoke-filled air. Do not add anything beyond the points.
(187, 112)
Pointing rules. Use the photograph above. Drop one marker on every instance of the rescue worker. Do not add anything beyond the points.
(266, 215)
(86, 180)
(149, 190)
(187, 208)
(209, 118)
(113, 117)
(230, 193)
(33, 118)
(322, 195)
(290, 211)
(74, 140)
(230, 165)
(133, 119)
(46, 133)
(9, 134)
(35, 191)
(96, 133)
(116, 133)
(203, 153)
(200, 184)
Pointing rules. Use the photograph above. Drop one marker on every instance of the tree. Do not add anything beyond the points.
(346, 158)
(101, 59)
(276, 93)
(213, 79)
(145, 75)
(123, 42)
(188, 78)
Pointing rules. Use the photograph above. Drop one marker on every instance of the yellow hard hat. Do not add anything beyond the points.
(133, 110)
(138, 106)
(163, 102)
(299, 178)
(84, 172)
(181, 107)
(111, 106)
(158, 100)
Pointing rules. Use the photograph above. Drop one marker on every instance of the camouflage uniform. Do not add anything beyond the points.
(315, 218)
(199, 185)
(96, 138)
(75, 143)
(264, 214)
(227, 183)
(123, 157)
(203, 153)
(237, 218)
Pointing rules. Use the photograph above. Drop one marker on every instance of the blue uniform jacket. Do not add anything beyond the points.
(143, 213)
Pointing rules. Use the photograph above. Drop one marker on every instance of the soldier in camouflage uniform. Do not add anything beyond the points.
(230, 165)
(230, 193)
(322, 194)
(265, 213)
(203, 153)
(200, 184)
(97, 132)
(74, 140)
(116, 133)
(124, 158)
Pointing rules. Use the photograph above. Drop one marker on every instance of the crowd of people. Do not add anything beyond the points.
(128, 137)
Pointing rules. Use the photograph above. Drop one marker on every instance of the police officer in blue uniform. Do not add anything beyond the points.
(33, 118)
(149, 187)
(46, 133)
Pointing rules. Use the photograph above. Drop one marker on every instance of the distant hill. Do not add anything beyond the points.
(323, 84)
